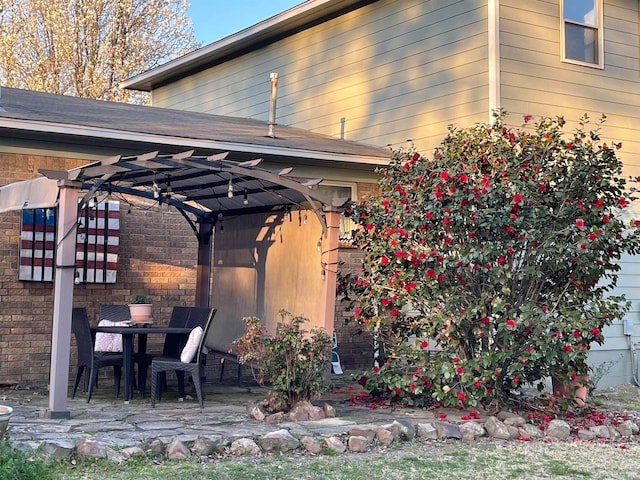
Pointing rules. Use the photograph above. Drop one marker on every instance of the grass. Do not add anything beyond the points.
(416, 460)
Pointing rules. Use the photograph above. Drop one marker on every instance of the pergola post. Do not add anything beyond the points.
(63, 299)
(203, 269)
(330, 243)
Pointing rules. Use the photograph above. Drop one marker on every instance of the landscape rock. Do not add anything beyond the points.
(586, 435)
(89, 447)
(204, 446)
(626, 428)
(277, 417)
(497, 429)
(368, 433)
(335, 444)
(530, 430)
(329, 411)
(447, 430)
(558, 429)
(132, 452)
(601, 431)
(427, 430)
(472, 429)
(59, 449)
(244, 447)
(304, 411)
(154, 446)
(177, 450)
(384, 437)
(311, 444)
(357, 443)
(279, 441)
(257, 412)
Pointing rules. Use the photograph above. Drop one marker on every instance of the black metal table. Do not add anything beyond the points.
(127, 347)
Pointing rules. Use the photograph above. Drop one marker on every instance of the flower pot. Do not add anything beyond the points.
(576, 389)
(5, 415)
(140, 312)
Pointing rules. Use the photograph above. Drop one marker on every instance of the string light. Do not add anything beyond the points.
(156, 190)
(230, 188)
(245, 201)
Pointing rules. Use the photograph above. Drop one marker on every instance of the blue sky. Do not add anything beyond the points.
(215, 19)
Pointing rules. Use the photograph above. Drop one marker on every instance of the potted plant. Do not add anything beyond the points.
(140, 308)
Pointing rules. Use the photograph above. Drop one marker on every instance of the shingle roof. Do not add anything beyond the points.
(28, 111)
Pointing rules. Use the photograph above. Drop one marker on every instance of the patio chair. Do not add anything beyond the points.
(181, 317)
(90, 360)
(220, 341)
(195, 366)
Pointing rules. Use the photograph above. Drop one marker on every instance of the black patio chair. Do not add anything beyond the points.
(181, 317)
(90, 360)
(195, 368)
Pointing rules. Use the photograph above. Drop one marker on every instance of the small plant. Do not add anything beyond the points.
(293, 361)
(16, 463)
(139, 298)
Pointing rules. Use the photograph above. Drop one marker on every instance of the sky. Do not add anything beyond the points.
(215, 19)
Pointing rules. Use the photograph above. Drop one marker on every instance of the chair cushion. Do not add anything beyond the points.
(108, 342)
(190, 349)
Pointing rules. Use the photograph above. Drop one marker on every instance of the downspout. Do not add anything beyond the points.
(493, 45)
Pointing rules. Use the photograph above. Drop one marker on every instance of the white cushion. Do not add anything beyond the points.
(190, 349)
(109, 342)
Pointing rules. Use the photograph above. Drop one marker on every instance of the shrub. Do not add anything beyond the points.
(19, 464)
(293, 361)
(499, 252)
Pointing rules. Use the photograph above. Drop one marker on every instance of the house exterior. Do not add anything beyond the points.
(398, 72)
(158, 251)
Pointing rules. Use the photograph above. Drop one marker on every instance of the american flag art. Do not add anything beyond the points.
(97, 243)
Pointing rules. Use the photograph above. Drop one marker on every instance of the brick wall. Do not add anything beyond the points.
(158, 253)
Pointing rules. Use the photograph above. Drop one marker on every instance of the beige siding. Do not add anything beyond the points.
(535, 81)
(394, 70)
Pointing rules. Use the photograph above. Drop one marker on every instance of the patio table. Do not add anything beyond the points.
(127, 333)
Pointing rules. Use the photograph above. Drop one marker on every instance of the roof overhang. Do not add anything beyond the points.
(289, 22)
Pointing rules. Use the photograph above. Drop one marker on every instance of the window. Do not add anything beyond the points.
(582, 38)
(340, 190)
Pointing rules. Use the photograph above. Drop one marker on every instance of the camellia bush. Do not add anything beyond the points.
(491, 264)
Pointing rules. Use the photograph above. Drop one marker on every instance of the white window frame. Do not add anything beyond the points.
(599, 29)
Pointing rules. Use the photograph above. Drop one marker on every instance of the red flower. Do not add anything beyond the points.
(501, 260)
(485, 320)
(376, 369)
(442, 416)
(510, 323)
(394, 312)
(461, 396)
(542, 187)
(595, 331)
(478, 384)
(431, 273)
(569, 146)
(412, 386)
(397, 390)
(567, 348)
(459, 370)
(579, 223)
(384, 260)
(517, 198)
(527, 117)
(592, 236)
(622, 202)
(444, 176)
(424, 344)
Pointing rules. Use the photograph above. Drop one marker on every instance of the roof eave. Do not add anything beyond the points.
(258, 149)
(258, 35)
